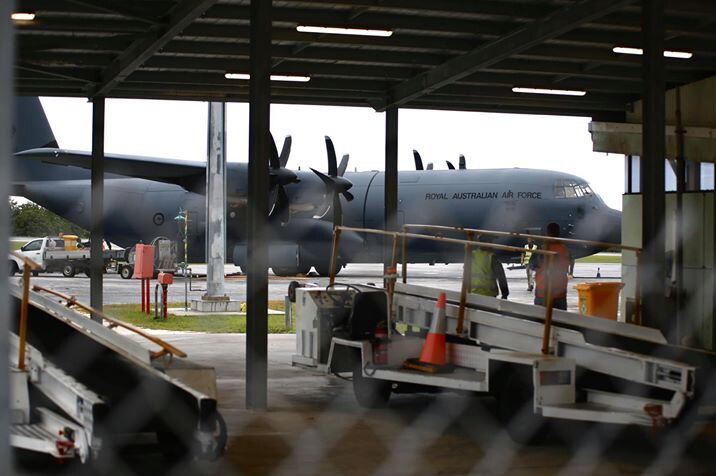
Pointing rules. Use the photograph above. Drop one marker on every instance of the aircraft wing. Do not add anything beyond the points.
(187, 174)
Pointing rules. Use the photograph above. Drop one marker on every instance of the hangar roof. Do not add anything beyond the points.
(442, 54)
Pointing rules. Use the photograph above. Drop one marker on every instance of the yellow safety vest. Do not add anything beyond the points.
(528, 252)
(482, 280)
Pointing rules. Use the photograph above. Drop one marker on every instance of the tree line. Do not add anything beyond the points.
(30, 219)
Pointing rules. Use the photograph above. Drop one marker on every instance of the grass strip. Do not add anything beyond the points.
(601, 259)
(210, 323)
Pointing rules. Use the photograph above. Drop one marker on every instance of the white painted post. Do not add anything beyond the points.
(216, 203)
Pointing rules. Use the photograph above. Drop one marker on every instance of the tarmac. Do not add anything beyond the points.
(126, 291)
(313, 425)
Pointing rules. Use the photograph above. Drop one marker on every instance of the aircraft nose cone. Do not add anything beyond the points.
(603, 224)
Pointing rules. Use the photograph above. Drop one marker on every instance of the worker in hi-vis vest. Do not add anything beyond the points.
(487, 272)
(525, 261)
(558, 273)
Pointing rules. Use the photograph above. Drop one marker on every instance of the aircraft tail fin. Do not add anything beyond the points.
(31, 128)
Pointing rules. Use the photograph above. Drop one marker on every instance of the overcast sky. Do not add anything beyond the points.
(177, 129)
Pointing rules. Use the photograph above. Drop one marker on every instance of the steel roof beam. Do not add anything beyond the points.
(114, 10)
(180, 17)
(520, 40)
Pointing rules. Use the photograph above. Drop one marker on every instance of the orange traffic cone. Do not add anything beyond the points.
(433, 357)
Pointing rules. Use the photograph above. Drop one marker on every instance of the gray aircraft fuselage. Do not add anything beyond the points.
(522, 200)
(140, 209)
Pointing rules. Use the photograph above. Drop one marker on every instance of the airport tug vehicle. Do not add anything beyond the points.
(560, 364)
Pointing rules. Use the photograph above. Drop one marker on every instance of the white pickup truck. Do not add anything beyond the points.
(55, 254)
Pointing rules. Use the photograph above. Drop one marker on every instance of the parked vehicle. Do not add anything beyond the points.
(165, 258)
(65, 254)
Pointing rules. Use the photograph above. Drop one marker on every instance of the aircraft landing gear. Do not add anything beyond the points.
(323, 269)
(290, 270)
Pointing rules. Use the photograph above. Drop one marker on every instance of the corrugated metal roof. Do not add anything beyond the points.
(181, 49)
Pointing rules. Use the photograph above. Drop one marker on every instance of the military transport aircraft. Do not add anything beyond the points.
(143, 195)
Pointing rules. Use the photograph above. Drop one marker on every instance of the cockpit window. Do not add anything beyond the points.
(569, 189)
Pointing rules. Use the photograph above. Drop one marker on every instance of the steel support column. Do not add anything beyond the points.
(693, 176)
(216, 202)
(652, 168)
(391, 179)
(97, 206)
(257, 229)
(6, 98)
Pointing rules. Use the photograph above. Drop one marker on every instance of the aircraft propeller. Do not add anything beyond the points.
(335, 184)
(450, 165)
(418, 160)
(279, 177)
(463, 163)
(430, 166)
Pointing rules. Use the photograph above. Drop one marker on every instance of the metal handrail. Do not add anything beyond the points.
(167, 348)
(27, 266)
(573, 241)
(468, 245)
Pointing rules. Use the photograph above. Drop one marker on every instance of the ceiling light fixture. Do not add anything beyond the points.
(343, 31)
(274, 77)
(624, 50)
(22, 16)
(558, 92)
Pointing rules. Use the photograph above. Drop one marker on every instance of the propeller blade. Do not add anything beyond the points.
(418, 160)
(280, 209)
(463, 162)
(343, 165)
(326, 179)
(450, 165)
(348, 195)
(430, 166)
(337, 210)
(285, 151)
(274, 160)
(331, 151)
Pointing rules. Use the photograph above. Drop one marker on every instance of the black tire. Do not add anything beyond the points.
(515, 396)
(35, 273)
(125, 272)
(370, 392)
(13, 268)
(291, 270)
(324, 269)
(68, 270)
(284, 271)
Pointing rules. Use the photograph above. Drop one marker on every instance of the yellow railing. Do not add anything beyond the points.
(468, 247)
(567, 241)
(166, 347)
(27, 266)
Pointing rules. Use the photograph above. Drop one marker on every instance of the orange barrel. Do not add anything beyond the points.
(600, 299)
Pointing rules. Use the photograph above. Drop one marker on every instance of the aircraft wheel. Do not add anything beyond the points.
(370, 392)
(125, 272)
(323, 269)
(13, 268)
(68, 270)
(284, 271)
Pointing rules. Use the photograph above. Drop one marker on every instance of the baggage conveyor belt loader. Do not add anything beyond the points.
(79, 388)
(578, 368)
